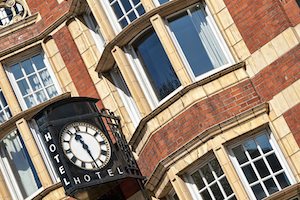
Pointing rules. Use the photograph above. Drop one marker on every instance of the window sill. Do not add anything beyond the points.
(18, 25)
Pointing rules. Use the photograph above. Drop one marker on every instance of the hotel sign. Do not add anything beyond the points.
(85, 151)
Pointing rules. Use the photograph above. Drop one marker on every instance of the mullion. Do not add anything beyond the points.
(207, 185)
(218, 179)
(29, 85)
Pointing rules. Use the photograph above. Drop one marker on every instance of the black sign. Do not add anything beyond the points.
(85, 151)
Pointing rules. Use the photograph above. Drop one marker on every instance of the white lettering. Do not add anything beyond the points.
(98, 174)
(87, 178)
(76, 180)
(61, 170)
(56, 158)
(110, 172)
(66, 182)
(48, 137)
(120, 171)
(52, 148)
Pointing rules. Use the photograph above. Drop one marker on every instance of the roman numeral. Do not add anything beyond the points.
(69, 132)
(66, 141)
(74, 159)
(77, 128)
(102, 143)
(103, 152)
(68, 151)
(96, 134)
(83, 164)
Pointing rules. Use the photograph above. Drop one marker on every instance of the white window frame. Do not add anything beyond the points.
(142, 78)
(219, 37)
(128, 101)
(4, 108)
(43, 151)
(15, 85)
(277, 152)
(11, 181)
(193, 188)
(95, 31)
(112, 17)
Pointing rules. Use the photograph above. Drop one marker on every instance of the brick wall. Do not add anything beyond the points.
(195, 120)
(75, 65)
(292, 118)
(260, 21)
(279, 75)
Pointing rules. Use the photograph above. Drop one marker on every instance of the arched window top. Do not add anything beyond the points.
(11, 11)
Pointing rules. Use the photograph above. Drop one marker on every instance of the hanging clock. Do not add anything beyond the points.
(85, 146)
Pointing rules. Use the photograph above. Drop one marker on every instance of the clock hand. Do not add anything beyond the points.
(85, 146)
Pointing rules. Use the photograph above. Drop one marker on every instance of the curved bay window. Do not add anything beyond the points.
(199, 42)
(11, 11)
(157, 73)
(17, 167)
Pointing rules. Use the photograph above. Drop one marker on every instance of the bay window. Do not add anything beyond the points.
(153, 67)
(259, 163)
(17, 167)
(198, 40)
(33, 81)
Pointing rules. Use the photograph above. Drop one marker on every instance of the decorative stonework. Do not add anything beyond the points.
(11, 11)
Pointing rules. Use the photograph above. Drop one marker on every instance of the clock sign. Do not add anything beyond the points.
(85, 146)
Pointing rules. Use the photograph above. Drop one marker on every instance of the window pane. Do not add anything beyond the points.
(271, 186)
(52, 92)
(217, 192)
(163, 1)
(23, 86)
(249, 173)
(156, 65)
(261, 168)
(41, 97)
(123, 23)
(117, 10)
(251, 147)
(140, 9)
(274, 163)
(207, 173)
(20, 164)
(198, 180)
(283, 180)
(264, 143)
(38, 62)
(258, 192)
(132, 16)
(240, 154)
(16, 70)
(126, 5)
(216, 167)
(45, 76)
(34, 82)
(226, 186)
(27, 66)
(29, 100)
(205, 195)
(2, 99)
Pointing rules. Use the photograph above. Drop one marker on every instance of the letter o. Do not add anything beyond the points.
(87, 178)
(52, 148)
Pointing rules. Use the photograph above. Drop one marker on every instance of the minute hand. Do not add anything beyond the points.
(85, 146)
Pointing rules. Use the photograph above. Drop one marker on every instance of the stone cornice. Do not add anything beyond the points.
(28, 114)
(202, 138)
(138, 133)
(106, 61)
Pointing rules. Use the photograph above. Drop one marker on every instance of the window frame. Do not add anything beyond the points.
(128, 101)
(13, 81)
(141, 75)
(277, 151)
(112, 18)
(96, 32)
(196, 167)
(10, 179)
(217, 33)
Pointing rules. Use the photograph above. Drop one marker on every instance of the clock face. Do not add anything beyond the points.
(85, 146)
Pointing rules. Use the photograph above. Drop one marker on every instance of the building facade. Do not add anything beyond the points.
(208, 92)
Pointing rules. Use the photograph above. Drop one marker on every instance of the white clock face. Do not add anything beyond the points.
(85, 146)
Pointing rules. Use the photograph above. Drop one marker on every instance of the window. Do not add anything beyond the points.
(198, 40)
(11, 12)
(95, 30)
(17, 167)
(32, 81)
(126, 97)
(126, 11)
(4, 110)
(160, 2)
(259, 163)
(210, 182)
(156, 70)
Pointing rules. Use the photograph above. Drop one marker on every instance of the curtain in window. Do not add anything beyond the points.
(13, 149)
